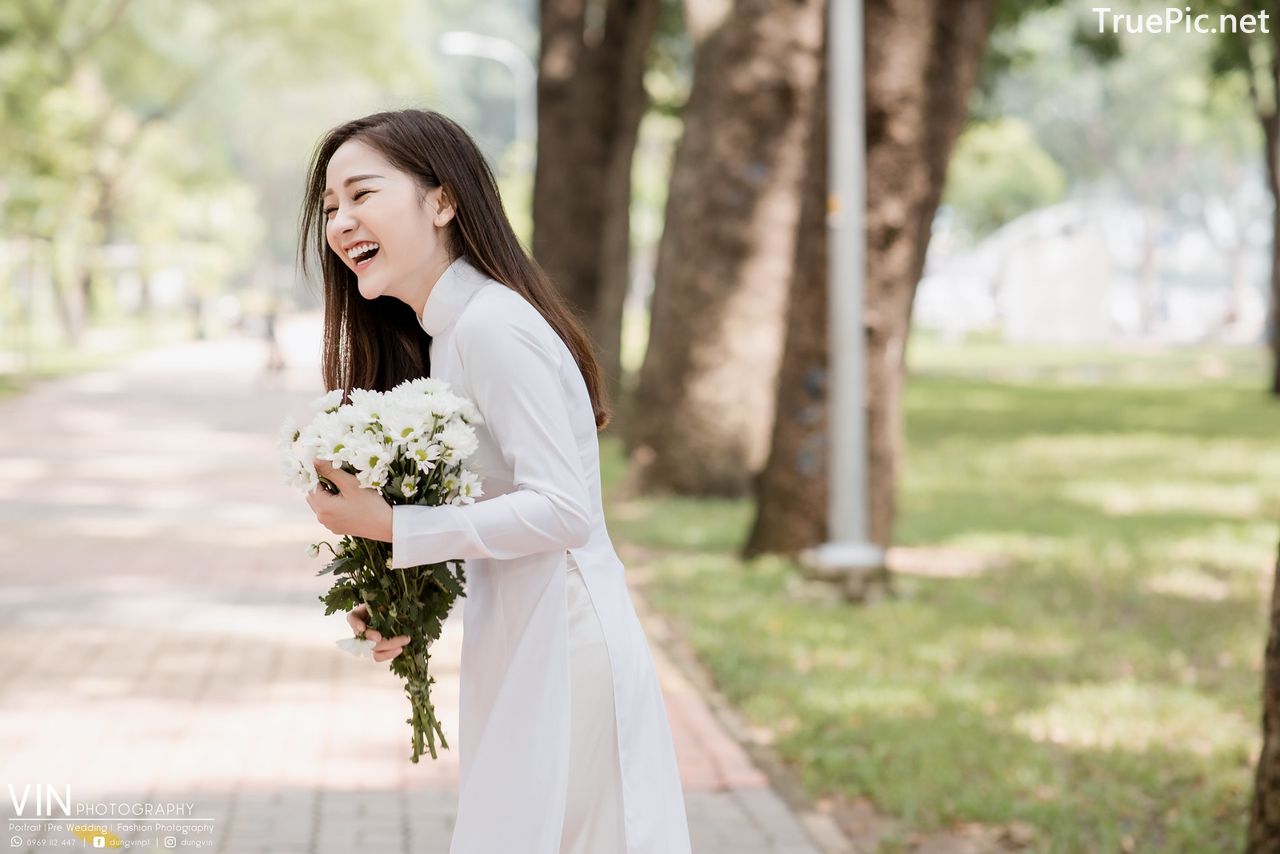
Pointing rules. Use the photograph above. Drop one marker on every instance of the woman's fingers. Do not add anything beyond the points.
(389, 649)
(357, 619)
(383, 650)
(396, 643)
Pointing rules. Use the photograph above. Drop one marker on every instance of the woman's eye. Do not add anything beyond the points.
(328, 211)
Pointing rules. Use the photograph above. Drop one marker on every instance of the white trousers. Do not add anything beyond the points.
(593, 814)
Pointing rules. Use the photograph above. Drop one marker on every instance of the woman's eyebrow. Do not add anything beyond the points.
(352, 180)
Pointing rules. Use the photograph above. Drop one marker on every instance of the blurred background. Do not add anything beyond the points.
(1070, 322)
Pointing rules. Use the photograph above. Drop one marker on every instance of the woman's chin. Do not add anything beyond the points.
(370, 288)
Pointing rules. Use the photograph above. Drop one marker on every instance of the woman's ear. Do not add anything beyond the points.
(445, 209)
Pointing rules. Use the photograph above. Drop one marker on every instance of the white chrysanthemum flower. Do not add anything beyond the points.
(329, 433)
(469, 487)
(420, 421)
(304, 448)
(425, 454)
(401, 426)
(371, 430)
(359, 647)
(421, 386)
(367, 404)
(299, 475)
(446, 404)
(366, 454)
(469, 413)
(348, 419)
(459, 441)
(288, 434)
(297, 454)
(374, 478)
(328, 402)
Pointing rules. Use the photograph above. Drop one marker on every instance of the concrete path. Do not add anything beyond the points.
(164, 657)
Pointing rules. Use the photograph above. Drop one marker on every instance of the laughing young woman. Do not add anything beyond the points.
(564, 743)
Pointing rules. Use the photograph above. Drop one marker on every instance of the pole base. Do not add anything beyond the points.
(859, 568)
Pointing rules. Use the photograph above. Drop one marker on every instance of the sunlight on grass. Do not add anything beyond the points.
(1136, 717)
(1096, 671)
(1117, 498)
(1189, 583)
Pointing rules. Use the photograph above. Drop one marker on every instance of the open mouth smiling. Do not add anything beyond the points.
(362, 254)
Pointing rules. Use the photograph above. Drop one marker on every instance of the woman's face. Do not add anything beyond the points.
(369, 203)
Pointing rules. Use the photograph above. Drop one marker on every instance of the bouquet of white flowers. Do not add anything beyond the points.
(409, 444)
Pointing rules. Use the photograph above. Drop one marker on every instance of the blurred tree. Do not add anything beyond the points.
(100, 142)
(705, 398)
(84, 84)
(1264, 814)
(1256, 57)
(908, 157)
(923, 58)
(1175, 160)
(591, 98)
(999, 172)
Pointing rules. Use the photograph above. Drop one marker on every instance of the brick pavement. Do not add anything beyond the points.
(163, 642)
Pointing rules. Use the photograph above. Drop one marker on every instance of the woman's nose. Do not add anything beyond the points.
(343, 220)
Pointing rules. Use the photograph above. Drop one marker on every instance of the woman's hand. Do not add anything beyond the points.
(383, 650)
(355, 511)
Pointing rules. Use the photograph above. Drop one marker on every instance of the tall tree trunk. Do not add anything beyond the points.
(1264, 815)
(591, 99)
(922, 60)
(705, 400)
(1148, 284)
(100, 233)
(64, 253)
(1271, 140)
(791, 490)
(636, 24)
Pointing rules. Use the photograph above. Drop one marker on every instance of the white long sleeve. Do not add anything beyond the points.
(509, 356)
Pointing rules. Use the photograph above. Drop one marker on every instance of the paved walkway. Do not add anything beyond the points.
(162, 644)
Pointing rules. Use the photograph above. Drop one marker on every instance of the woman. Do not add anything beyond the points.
(564, 743)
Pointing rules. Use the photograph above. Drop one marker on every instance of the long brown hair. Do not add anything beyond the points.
(378, 343)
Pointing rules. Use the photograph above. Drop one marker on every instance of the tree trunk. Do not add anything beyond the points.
(1271, 137)
(1264, 815)
(954, 36)
(591, 99)
(791, 490)
(705, 400)
(922, 61)
(636, 24)
(100, 234)
(63, 256)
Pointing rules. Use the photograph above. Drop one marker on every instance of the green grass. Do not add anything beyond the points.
(1101, 684)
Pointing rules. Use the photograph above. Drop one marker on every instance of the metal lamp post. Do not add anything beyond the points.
(847, 555)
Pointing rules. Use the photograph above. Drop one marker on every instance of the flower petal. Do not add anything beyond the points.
(358, 647)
